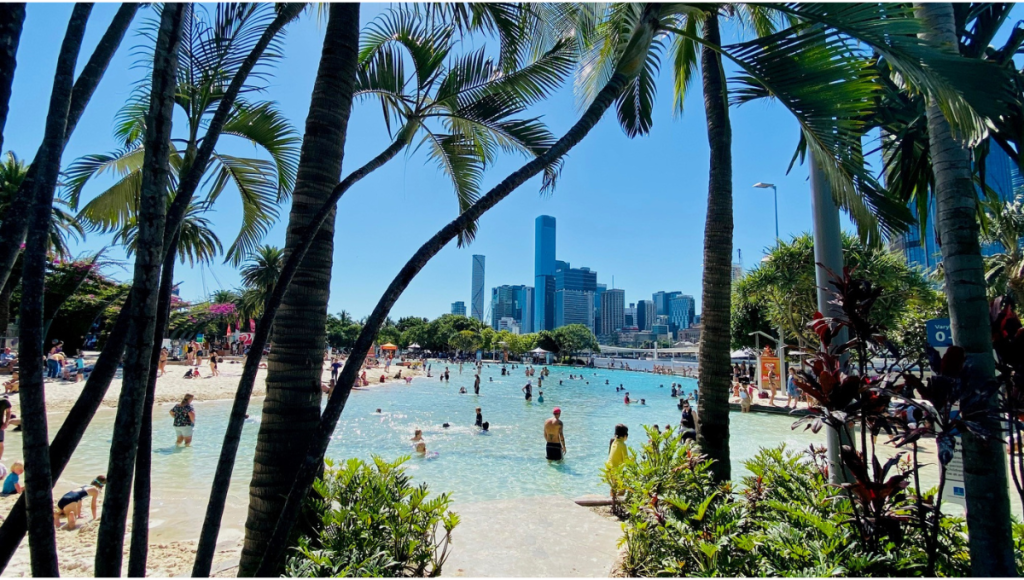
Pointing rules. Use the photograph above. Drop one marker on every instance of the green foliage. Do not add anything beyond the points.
(786, 520)
(573, 338)
(370, 521)
(342, 331)
(466, 341)
(783, 291)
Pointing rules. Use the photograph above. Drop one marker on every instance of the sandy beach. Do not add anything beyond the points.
(170, 554)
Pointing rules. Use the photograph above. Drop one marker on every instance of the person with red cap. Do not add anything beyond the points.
(554, 437)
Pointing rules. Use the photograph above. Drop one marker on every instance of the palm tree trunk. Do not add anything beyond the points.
(313, 457)
(149, 258)
(15, 226)
(714, 368)
(291, 408)
(12, 17)
(988, 499)
(38, 480)
(138, 553)
(236, 421)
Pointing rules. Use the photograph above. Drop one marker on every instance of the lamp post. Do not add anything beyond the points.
(781, 346)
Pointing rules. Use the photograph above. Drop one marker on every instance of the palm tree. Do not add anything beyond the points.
(988, 499)
(465, 112)
(197, 242)
(263, 269)
(14, 229)
(213, 52)
(628, 68)
(37, 217)
(149, 258)
(70, 434)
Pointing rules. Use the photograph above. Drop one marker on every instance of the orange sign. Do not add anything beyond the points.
(769, 364)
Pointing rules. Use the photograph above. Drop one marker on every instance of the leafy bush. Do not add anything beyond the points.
(786, 521)
(371, 521)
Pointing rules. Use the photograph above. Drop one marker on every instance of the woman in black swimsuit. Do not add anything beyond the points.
(70, 504)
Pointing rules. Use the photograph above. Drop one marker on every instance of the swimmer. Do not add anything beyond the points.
(626, 399)
(462, 391)
(445, 425)
(540, 396)
(643, 401)
(421, 448)
(559, 383)
(528, 389)
(377, 411)
(417, 435)
(479, 418)
(484, 428)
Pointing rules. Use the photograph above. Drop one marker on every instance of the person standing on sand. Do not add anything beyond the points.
(554, 437)
(184, 420)
(213, 365)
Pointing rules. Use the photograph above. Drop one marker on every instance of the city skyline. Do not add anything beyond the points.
(405, 202)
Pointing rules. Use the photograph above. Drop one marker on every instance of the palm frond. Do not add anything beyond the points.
(635, 105)
(427, 46)
(254, 179)
(459, 160)
(685, 62)
(265, 126)
(121, 164)
(968, 91)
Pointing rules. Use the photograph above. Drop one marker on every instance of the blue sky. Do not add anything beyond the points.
(629, 208)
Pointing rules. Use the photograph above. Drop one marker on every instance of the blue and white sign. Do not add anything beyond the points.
(940, 333)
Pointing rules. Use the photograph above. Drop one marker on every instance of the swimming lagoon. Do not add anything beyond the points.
(506, 463)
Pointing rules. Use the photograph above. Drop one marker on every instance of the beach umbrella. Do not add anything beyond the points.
(389, 346)
(540, 350)
(413, 346)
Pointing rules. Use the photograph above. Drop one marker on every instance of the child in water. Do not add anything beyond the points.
(540, 396)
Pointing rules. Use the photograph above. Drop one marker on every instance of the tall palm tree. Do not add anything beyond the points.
(37, 216)
(465, 110)
(631, 62)
(287, 419)
(214, 48)
(988, 499)
(197, 242)
(72, 430)
(149, 258)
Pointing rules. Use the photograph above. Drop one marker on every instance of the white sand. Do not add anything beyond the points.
(76, 549)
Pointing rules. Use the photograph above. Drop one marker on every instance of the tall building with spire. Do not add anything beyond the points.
(477, 304)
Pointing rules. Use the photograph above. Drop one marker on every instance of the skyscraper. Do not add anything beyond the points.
(661, 301)
(601, 288)
(613, 306)
(629, 315)
(681, 312)
(544, 274)
(478, 287)
(511, 302)
(645, 313)
(526, 325)
(459, 308)
(574, 296)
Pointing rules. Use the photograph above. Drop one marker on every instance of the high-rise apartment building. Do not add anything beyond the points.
(574, 296)
(478, 288)
(459, 308)
(544, 273)
(645, 313)
(613, 311)
(681, 312)
(661, 301)
(529, 302)
(629, 315)
(511, 302)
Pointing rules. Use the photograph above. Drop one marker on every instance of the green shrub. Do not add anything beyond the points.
(371, 521)
(786, 521)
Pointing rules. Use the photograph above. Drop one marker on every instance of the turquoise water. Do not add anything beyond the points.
(507, 463)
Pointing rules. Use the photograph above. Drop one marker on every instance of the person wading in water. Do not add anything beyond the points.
(554, 436)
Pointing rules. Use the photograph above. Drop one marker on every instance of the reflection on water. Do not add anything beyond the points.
(509, 462)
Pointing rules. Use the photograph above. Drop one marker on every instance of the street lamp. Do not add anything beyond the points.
(781, 346)
(775, 192)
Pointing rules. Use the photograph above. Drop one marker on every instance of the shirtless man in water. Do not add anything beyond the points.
(554, 437)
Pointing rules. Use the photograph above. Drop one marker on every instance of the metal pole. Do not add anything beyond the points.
(780, 346)
(828, 256)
